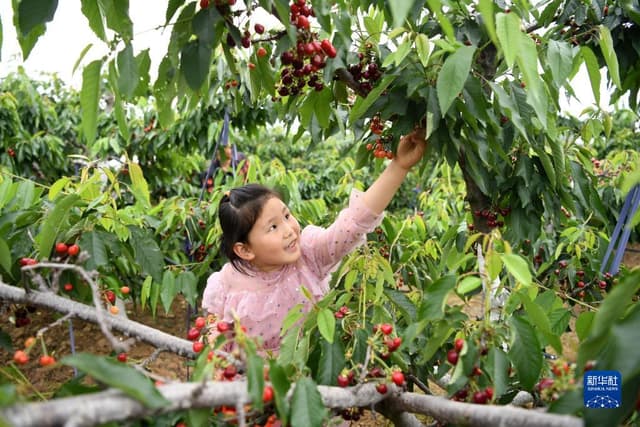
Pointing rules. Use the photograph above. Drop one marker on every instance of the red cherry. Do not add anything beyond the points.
(458, 344)
(27, 261)
(68, 287)
(480, 397)
(20, 357)
(73, 250)
(267, 394)
(381, 388)
(489, 392)
(302, 22)
(193, 334)
(222, 327)
(386, 328)
(200, 322)
(328, 48)
(261, 52)
(343, 380)
(204, 4)
(61, 248)
(398, 378)
(198, 346)
(122, 357)
(259, 28)
(46, 360)
(111, 296)
(452, 357)
(230, 371)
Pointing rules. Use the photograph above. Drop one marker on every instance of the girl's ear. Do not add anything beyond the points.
(243, 250)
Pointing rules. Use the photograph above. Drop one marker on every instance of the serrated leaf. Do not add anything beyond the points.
(147, 253)
(187, 284)
(326, 324)
(609, 54)
(435, 298)
(168, 291)
(362, 105)
(58, 186)
(127, 71)
(32, 13)
(525, 352)
(145, 292)
(139, 186)
(195, 60)
(453, 75)
(89, 97)
(92, 12)
(53, 221)
(399, 11)
(583, 324)
(119, 375)
(332, 361)
(560, 56)
(486, 9)
(518, 267)
(423, 48)
(508, 32)
(94, 243)
(5, 256)
(593, 70)
(281, 385)
(307, 408)
(468, 284)
(255, 377)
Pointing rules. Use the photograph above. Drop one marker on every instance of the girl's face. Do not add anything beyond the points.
(275, 237)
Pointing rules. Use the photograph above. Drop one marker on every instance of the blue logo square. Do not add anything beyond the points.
(602, 389)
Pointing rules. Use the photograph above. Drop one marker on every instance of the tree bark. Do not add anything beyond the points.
(85, 312)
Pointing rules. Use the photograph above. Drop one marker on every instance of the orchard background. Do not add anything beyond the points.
(484, 296)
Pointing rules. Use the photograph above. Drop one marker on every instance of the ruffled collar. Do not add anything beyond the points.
(255, 279)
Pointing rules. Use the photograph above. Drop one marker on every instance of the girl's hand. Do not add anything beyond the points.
(411, 148)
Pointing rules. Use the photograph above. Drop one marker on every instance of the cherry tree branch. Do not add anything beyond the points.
(88, 313)
(113, 406)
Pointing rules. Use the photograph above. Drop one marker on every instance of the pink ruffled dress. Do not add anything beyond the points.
(262, 300)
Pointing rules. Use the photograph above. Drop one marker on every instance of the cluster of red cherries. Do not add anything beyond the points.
(301, 65)
(366, 72)
(379, 146)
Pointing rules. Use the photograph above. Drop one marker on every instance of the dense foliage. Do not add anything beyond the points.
(513, 206)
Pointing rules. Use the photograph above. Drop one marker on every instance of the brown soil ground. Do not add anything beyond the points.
(41, 382)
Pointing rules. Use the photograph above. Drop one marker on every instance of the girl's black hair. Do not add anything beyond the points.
(238, 210)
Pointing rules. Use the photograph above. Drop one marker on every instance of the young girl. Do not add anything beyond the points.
(271, 258)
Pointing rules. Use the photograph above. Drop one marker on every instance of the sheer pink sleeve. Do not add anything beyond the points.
(214, 296)
(325, 248)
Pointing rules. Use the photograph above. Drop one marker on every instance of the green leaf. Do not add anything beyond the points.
(5, 256)
(362, 105)
(281, 385)
(195, 60)
(169, 290)
(204, 24)
(117, 17)
(326, 324)
(442, 19)
(145, 292)
(32, 13)
(58, 186)
(255, 377)
(94, 243)
(468, 284)
(509, 33)
(593, 70)
(187, 284)
(92, 12)
(119, 375)
(423, 48)
(486, 9)
(583, 324)
(560, 56)
(525, 352)
(127, 71)
(332, 361)
(609, 54)
(453, 75)
(147, 253)
(53, 222)
(399, 11)
(518, 267)
(435, 298)
(89, 97)
(307, 408)
(527, 59)
(139, 186)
